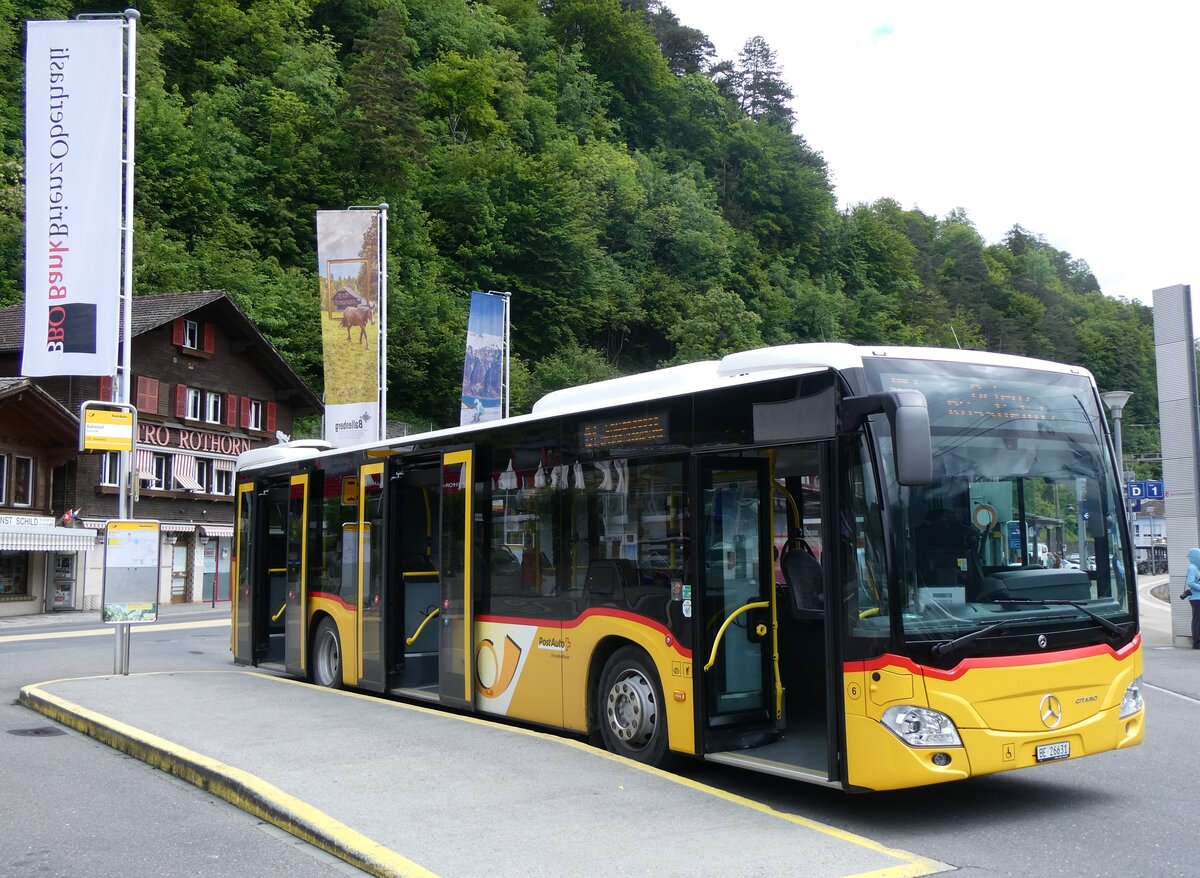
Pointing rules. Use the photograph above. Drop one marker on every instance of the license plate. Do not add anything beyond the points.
(1050, 752)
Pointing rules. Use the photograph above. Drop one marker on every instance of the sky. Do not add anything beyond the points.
(1076, 120)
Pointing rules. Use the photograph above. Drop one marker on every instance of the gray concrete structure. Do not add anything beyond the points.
(1179, 426)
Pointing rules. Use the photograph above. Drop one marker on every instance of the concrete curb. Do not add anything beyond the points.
(239, 788)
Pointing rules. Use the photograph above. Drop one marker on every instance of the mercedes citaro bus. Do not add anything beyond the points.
(817, 561)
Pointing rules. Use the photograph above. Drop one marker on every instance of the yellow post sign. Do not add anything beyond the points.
(108, 429)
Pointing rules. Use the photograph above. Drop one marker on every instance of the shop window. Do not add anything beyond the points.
(14, 573)
(22, 481)
(110, 468)
(223, 483)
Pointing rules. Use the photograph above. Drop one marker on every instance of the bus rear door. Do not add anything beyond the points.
(272, 545)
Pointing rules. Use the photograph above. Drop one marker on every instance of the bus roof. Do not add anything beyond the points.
(744, 367)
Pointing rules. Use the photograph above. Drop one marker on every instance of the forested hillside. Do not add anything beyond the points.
(644, 201)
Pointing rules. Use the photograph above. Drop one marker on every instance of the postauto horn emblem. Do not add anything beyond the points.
(1051, 711)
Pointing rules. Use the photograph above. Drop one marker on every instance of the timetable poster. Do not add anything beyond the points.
(131, 562)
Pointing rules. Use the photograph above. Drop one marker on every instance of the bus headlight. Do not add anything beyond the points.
(921, 727)
(1132, 702)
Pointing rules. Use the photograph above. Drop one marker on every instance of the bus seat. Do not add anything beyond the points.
(805, 581)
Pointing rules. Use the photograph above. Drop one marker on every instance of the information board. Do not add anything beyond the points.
(131, 563)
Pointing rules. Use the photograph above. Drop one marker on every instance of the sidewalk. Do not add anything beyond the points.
(397, 789)
(92, 617)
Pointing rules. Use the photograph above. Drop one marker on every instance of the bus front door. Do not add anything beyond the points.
(740, 695)
(764, 640)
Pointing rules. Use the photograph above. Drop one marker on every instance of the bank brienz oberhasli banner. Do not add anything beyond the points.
(348, 253)
(73, 150)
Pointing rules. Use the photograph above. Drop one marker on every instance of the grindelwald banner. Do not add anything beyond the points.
(483, 368)
(73, 148)
(348, 252)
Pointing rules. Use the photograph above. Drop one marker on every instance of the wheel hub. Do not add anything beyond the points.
(631, 709)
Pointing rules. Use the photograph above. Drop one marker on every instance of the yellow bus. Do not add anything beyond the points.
(810, 560)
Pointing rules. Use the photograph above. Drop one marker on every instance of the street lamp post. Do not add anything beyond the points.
(1115, 400)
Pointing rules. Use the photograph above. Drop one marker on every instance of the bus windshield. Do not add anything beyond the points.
(1018, 533)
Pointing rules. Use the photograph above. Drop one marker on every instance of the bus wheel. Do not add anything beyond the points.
(327, 656)
(633, 722)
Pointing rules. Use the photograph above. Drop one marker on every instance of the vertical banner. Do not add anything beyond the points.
(349, 245)
(73, 149)
(483, 368)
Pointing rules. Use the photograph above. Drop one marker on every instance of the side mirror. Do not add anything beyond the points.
(908, 415)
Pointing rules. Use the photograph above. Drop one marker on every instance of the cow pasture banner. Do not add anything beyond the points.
(349, 244)
(74, 77)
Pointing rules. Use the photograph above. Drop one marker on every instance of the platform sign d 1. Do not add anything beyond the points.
(131, 563)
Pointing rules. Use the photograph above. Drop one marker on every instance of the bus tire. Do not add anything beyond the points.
(630, 708)
(327, 656)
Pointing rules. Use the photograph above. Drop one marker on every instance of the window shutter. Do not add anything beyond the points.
(180, 401)
(270, 417)
(244, 420)
(210, 338)
(177, 331)
(231, 410)
(152, 396)
(104, 388)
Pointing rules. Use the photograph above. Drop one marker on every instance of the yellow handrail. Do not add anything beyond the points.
(275, 618)
(757, 605)
(409, 641)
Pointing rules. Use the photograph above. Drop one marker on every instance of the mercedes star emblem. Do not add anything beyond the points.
(1051, 710)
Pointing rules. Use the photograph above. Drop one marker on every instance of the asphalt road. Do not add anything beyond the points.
(71, 806)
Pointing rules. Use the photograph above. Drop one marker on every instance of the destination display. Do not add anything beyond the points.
(648, 429)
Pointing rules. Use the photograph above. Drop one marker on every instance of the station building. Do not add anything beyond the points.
(207, 386)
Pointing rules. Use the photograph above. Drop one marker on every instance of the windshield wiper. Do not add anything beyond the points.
(948, 646)
(1107, 624)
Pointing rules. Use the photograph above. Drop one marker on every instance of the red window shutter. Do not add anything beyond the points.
(231, 410)
(177, 331)
(180, 401)
(270, 417)
(210, 338)
(104, 388)
(244, 420)
(152, 395)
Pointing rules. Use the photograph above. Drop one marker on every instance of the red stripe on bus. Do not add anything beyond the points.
(333, 597)
(1008, 661)
(566, 624)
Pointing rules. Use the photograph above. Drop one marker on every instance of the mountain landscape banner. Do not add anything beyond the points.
(74, 79)
(348, 254)
(483, 369)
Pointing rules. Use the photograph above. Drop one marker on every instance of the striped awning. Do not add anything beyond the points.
(145, 464)
(46, 539)
(183, 467)
(223, 464)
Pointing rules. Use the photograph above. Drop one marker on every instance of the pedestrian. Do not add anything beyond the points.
(1191, 592)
